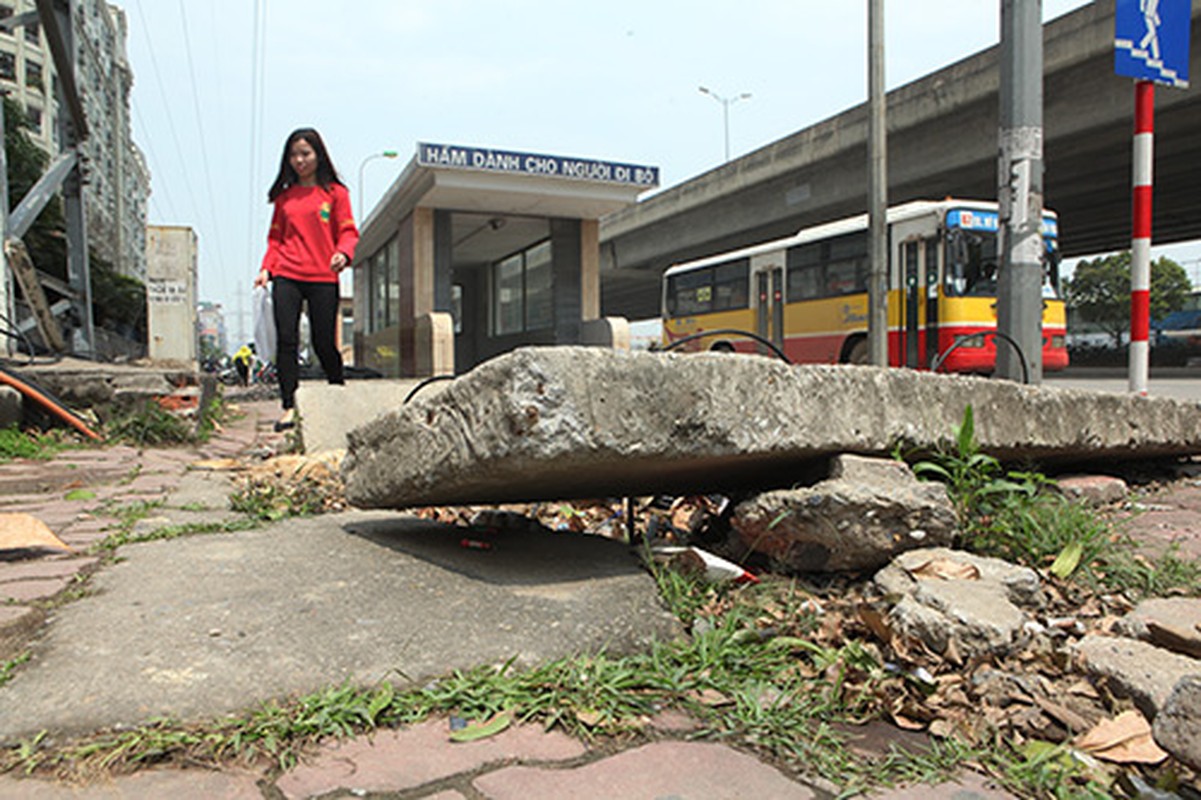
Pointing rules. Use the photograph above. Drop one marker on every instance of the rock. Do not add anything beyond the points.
(1141, 671)
(1093, 490)
(868, 511)
(948, 597)
(1173, 623)
(1177, 727)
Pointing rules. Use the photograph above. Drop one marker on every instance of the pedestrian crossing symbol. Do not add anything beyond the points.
(1151, 40)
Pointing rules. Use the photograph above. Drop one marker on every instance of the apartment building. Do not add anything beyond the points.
(117, 180)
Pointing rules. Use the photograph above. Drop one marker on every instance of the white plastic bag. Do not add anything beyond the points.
(264, 324)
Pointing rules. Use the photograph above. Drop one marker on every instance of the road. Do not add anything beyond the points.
(1180, 382)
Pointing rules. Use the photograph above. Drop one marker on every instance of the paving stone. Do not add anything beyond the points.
(393, 761)
(1094, 490)
(43, 568)
(692, 770)
(192, 784)
(26, 591)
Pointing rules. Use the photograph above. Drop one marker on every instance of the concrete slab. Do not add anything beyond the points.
(570, 422)
(327, 413)
(195, 627)
(178, 784)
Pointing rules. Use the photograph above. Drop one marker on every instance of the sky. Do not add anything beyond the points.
(219, 84)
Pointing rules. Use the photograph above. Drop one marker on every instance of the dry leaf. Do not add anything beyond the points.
(1084, 689)
(946, 569)
(908, 724)
(1125, 739)
(876, 622)
(1065, 715)
(711, 697)
(26, 532)
(217, 464)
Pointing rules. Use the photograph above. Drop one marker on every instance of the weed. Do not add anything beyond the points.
(9, 668)
(16, 443)
(150, 425)
(126, 536)
(1016, 516)
(267, 500)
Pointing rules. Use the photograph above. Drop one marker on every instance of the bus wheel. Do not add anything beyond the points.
(857, 354)
(722, 347)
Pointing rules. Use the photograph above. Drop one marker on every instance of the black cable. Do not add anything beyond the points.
(425, 383)
(963, 338)
(729, 332)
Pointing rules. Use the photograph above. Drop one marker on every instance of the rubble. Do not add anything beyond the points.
(1177, 727)
(869, 510)
(1138, 670)
(951, 600)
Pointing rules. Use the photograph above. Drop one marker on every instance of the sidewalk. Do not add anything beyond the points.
(71, 494)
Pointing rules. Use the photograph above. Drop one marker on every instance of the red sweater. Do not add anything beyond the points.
(309, 225)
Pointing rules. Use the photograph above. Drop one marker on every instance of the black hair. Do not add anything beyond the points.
(287, 177)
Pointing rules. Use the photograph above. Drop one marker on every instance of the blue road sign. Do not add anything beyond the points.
(1151, 40)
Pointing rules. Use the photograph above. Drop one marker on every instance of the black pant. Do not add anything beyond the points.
(322, 299)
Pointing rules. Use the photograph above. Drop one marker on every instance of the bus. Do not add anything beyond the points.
(807, 293)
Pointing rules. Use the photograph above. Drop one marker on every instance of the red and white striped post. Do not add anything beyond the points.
(1140, 244)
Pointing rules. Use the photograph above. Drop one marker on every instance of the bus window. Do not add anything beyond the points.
(804, 272)
(971, 264)
(690, 293)
(731, 288)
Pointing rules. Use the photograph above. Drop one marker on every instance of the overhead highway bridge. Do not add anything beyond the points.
(942, 140)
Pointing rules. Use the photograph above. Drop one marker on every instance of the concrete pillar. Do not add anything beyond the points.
(416, 276)
(567, 268)
(611, 332)
(589, 269)
(435, 344)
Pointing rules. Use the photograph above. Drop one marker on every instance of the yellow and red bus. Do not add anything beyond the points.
(807, 293)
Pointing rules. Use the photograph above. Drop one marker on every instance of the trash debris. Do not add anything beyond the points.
(713, 568)
(20, 531)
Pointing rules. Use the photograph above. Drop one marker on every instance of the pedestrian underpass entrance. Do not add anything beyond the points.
(473, 252)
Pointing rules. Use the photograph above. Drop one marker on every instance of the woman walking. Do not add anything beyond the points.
(312, 239)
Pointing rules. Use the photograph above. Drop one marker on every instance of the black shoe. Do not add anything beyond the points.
(281, 425)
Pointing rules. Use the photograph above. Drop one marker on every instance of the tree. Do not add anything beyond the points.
(1099, 290)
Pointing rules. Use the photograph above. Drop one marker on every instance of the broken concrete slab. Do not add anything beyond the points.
(951, 598)
(1173, 623)
(566, 422)
(199, 626)
(1143, 672)
(1177, 727)
(869, 510)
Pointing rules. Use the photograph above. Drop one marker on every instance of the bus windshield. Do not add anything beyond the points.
(971, 263)
(972, 260)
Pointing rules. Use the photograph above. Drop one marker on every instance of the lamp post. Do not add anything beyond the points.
(384, 154)
(726, 102)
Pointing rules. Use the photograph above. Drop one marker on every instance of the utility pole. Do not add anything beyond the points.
(877, 183)
(1020, 193)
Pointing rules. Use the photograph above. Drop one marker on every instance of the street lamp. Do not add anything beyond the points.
(384, 154)
(726, 102)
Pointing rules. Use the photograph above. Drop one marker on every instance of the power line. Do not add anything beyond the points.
(148, 139)
(204, 159)
(167, 110)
